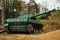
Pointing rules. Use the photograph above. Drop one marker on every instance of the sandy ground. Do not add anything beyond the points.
(55, 35)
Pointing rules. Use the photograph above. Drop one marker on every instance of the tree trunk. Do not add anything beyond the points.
(2, 12)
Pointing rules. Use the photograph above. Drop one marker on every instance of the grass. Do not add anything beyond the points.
(53, 23)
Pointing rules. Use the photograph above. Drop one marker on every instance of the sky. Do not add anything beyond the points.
(50, 4)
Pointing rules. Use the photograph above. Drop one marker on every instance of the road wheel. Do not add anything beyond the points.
(30, 28)
(35, 29)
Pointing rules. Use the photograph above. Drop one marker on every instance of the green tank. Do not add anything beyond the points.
(25, 23)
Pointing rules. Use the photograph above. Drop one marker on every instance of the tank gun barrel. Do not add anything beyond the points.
(45, 14)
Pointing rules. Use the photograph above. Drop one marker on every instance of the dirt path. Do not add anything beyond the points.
(47, 36)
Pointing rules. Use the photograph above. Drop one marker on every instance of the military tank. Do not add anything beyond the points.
(25, 23)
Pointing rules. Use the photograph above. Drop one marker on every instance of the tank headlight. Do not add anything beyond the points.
(5, 24)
